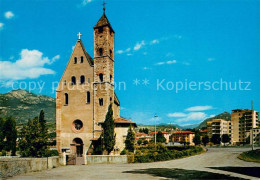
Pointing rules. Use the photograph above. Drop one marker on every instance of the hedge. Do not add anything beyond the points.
(161, 153)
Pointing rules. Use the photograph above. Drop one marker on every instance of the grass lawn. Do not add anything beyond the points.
(252, 156)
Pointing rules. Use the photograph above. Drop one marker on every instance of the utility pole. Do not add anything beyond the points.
(155, 117)
(252, 134)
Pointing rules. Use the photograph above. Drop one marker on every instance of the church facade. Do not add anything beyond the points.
(85, 91)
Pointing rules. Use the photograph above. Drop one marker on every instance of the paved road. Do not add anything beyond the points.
(215, 157)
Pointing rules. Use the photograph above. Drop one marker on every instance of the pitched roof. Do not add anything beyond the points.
(89, 58)
(140, 134)
(103, 21)
(163, 132)
(121, 120)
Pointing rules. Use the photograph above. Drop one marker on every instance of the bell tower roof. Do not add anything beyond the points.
(103, 21)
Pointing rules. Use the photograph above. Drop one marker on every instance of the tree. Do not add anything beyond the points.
(130, 140)
(43, 144)
(10, 134)
(139, 142)
(145, 142)
(196, 139)
(146, 130)
(109, 136)
(1, 133)
(225, 139)
(205, 140)
(160, 137)
(33, 142)
(215, 139)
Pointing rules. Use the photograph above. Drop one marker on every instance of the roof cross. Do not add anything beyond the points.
(79, 34)
(104, 7)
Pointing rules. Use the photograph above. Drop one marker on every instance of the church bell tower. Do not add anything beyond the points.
(103, 70)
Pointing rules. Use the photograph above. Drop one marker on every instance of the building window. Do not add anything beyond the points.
(100, 29)
(81, 59)
(101, 101)
(73, 80)
(75, 60)
(88, 80)
(65, 82)
(66, 96)
(110, 78)
(88, 97)
(78, 124)
(101, 77)
(110, 51)
(82, 79)
(100, 52)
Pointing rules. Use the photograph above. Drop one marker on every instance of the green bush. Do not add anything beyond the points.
(3, 153)
(49, 153)
(160, 152)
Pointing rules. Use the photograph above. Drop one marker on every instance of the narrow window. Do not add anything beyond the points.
(82, 79)
(81, 59)
(101, 101)
(100, 52)
(75, 60)
(101, 77)
(73, 80)
(88, 80)
(110, 78)
(66, 99)
(65, 82)
(88, 97)
(100, 29)
(110, 51)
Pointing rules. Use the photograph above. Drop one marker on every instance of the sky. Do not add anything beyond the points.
(184, 60)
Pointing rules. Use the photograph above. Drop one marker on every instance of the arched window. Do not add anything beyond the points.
(101, 101)
(75, 60)
(65, 82)
(110, 78)
(82, 79)
(66, 96)
(73, 80)
(101, 77)
(100, 29)
(100, 52)
(88, 97)
(81, 59)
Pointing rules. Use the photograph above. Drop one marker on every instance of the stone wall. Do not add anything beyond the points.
(14, 166)
(106, 159)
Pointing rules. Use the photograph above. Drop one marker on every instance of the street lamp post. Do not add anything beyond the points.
(155, 117)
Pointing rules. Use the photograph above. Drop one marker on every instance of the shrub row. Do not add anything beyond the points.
(161, 153)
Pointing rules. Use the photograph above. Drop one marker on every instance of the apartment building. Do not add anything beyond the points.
(183, 136)
(218, 126)
(243, 120)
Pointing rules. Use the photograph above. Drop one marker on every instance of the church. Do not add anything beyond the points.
(83, 95)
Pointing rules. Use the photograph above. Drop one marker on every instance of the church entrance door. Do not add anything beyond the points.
(76, 157)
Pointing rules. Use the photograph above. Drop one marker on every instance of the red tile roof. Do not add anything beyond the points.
(204, 131)
(183, 132)
(152, 133)
(124, 121)
(140, 134)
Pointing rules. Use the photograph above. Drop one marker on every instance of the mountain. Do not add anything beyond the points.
(23, 105)
(224, 115)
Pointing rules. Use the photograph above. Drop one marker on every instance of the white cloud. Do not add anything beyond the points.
(139, 45)
(120, 52)
(160, 63)
(171, 62)
(129, 54)
(177, 114)
(166, 62)
(199, 108)
(85, 2)
(9, 14)
(192, 117)
(128, 49)
(30, 65)
(146, 68)
(155, 41)
(1, 26)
